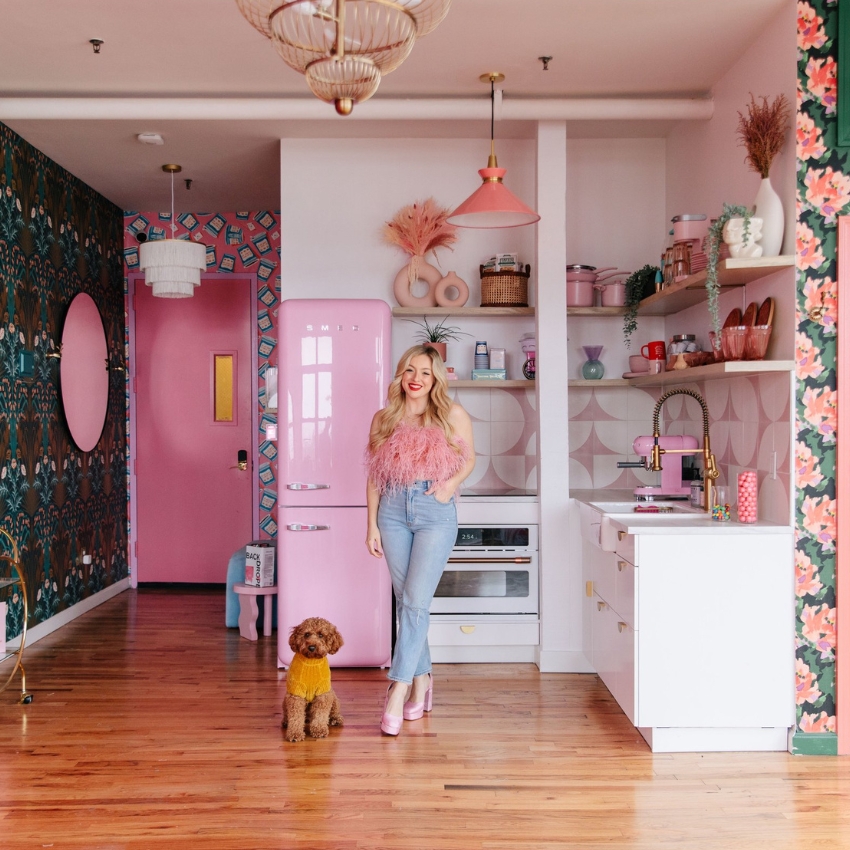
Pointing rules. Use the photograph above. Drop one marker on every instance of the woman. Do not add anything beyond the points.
(420, 450)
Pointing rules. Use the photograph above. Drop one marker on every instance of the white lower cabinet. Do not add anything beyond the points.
(455, 639)
(692, 633)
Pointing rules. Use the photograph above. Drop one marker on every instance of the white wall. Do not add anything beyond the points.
(705, 161)
(616, 216)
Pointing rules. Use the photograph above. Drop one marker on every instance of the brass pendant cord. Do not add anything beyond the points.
(15, 564)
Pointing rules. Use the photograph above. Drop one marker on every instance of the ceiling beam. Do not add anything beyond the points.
(248, 109)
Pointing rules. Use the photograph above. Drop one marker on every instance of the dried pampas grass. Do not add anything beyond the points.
(762, 131)
(420, 228)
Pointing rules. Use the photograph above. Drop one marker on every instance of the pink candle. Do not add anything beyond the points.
(748, 503)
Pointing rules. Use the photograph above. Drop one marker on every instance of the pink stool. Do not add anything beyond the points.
(248, 609)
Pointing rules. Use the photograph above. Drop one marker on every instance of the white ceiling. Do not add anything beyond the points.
(204, 49)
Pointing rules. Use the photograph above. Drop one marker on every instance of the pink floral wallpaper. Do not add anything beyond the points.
(823, 192)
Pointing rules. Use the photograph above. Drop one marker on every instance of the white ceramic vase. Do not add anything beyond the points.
(768, 207)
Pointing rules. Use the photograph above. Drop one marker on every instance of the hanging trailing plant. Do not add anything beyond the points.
(639, 285)
(713, 241)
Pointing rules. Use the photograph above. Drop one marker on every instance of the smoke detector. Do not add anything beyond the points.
(150, 139)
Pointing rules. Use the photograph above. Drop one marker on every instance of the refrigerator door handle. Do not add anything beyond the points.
(302, 526)
(297, 486)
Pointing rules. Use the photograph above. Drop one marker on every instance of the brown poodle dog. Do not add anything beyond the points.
(310, 700)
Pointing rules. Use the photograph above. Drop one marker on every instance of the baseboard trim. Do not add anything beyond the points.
(715, 739)
(562, 661)
(42, 630)
(814, 744)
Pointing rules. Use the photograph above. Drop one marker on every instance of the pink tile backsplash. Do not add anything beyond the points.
(749, 424)
(504, 425)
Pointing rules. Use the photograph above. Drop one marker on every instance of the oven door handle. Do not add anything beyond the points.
(524, 560)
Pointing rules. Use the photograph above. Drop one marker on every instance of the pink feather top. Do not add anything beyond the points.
(414, 454)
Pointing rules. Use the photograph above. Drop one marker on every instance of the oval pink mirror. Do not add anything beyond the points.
(84, 378)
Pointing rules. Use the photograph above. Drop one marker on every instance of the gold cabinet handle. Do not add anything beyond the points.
(621, 535)
(588, 588)
(600, 606)
(467, 630)
(621, 565)
(621, 626)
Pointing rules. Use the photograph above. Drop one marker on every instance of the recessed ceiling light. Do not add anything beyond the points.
(150, 139)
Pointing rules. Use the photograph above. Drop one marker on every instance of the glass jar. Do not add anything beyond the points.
(682, 344)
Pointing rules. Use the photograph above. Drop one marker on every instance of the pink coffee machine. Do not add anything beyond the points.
(671, 486)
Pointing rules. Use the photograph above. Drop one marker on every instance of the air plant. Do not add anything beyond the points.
(762, 131)
(419, 228)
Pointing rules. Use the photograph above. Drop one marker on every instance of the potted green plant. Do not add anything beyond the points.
(713, 241)
(437, 335)
(639, 285)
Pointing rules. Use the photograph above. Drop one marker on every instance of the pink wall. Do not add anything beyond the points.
(705, 164)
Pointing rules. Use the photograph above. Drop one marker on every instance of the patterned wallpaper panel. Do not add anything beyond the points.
(236, 243)
(823, 193)
(58, 237)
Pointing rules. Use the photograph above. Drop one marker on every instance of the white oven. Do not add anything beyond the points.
(492, 570)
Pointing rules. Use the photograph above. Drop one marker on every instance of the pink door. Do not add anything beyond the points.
(193, 418)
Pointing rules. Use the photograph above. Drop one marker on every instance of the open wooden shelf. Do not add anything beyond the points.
(713, 371)
(466, 312)
(492, 385)
(595, 311)
(600, 384)
(691, 290)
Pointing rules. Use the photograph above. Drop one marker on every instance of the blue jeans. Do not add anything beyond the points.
(417, 535)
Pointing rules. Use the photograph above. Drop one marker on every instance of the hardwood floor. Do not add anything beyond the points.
(153, 726)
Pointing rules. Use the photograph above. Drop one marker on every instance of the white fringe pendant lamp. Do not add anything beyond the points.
(492, 205)
(173, 266)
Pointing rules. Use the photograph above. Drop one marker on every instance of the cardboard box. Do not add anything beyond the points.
(259, 565)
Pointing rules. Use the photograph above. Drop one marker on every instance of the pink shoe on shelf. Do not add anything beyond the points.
(415, 710)
(390, 723)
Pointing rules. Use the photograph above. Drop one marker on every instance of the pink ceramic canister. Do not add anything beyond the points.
(580, 280)
(689, 227)
(614, 291)
(579, 293)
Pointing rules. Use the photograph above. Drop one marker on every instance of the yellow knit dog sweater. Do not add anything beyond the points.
(308, 677)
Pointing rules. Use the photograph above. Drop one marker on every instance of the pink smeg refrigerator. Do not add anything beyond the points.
(334, 370)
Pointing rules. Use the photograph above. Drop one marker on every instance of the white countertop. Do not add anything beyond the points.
(696, 523)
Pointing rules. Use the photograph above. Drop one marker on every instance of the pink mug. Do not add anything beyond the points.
(654, 350)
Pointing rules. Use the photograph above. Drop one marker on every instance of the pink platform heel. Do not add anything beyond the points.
(415, 710)
(390, 723)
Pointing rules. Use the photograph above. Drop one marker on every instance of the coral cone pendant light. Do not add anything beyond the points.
(173, 266)
(492, 204)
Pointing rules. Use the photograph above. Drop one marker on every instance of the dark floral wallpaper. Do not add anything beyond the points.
(58, 237)
(823, 192)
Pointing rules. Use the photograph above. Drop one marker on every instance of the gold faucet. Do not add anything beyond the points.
(709, 464)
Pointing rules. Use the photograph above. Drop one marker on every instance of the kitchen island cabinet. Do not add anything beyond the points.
(675, 607)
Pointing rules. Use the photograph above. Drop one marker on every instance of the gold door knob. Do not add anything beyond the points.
(621, 535)
(621, 626)
(621, 565)
(600, 606)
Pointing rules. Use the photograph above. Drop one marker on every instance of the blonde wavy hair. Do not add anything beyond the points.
(439, 403)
